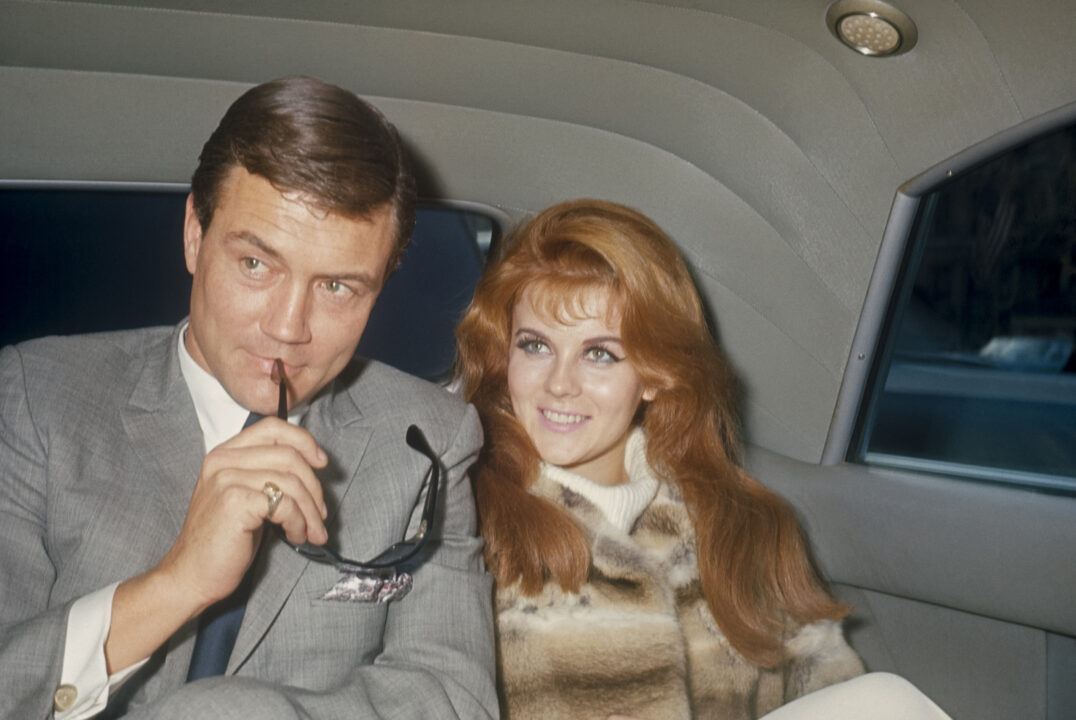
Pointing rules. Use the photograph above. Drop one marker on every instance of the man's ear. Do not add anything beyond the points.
(192, 235)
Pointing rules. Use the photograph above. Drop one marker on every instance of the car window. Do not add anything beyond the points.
(977, 370)
(414, 321)
(88, 258)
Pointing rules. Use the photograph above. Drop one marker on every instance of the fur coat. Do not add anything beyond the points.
(638, 638)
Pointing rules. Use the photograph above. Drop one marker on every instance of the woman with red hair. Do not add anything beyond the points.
(639, 570)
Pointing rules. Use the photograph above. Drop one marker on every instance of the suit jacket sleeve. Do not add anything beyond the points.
(32, 635)
(437, 659)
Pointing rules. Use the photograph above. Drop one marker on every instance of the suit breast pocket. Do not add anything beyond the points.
(316, 643)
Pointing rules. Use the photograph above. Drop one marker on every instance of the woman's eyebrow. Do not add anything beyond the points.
(604, 339)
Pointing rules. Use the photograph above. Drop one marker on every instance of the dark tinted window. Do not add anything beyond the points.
(78, 261)
(414, 321)
(85, 260)
(979, 369)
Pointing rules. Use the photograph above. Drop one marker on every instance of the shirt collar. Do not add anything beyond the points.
(219, 415)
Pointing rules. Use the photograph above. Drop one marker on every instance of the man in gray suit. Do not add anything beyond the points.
(135, 504)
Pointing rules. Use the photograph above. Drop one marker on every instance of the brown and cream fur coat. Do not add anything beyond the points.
(638, 638)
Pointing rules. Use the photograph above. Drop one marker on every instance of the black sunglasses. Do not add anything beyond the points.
(398, 552)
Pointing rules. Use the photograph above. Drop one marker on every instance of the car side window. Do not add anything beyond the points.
(976, 370)
(87, 257)
(413, 323)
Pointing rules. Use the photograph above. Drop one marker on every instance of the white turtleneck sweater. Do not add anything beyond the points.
(620, 504)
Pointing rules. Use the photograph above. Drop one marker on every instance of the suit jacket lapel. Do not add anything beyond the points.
(162, 426)
(336, 422)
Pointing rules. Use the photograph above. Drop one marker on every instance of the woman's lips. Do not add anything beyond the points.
(561, 421)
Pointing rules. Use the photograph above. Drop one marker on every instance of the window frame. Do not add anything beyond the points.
(886, 301)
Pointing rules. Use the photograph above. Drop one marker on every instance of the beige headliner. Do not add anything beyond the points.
(768, 150)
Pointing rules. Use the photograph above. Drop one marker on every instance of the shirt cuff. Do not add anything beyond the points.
(84, 680)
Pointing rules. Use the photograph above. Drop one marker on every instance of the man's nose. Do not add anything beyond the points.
(562, 380)
(287, 318)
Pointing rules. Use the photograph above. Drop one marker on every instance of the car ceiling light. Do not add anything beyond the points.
(871, 27)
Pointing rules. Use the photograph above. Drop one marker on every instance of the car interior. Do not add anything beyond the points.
(877, 201)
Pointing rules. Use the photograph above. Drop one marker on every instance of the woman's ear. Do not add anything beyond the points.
(657, 384)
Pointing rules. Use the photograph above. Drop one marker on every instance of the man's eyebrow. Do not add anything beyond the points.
(368, 279)
(249, 237)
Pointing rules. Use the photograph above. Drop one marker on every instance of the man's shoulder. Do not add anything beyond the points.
(90, 345)
(374, 381)
(388, 401)
(94, 358)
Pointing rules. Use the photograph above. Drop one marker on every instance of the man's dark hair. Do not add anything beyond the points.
(308, 136)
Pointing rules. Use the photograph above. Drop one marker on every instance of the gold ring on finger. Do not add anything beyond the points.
(274, 495)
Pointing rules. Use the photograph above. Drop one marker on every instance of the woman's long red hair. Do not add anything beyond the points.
(756, 572)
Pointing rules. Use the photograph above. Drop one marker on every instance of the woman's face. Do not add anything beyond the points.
(573, 388)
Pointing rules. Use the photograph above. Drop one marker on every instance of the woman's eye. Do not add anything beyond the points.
(601, 355)
(532, 346)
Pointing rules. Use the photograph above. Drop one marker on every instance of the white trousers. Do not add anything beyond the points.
(874, 696)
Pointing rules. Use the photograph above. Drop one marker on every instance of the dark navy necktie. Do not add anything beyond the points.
(219, 624)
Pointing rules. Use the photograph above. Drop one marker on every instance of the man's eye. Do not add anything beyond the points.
(336, 287)
(253, 264)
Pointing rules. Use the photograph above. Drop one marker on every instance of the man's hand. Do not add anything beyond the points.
(220, 534)
(228, 507)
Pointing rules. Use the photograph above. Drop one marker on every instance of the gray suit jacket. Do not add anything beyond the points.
(99, 452)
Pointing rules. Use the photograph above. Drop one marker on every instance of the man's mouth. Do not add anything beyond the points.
(268, 365)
